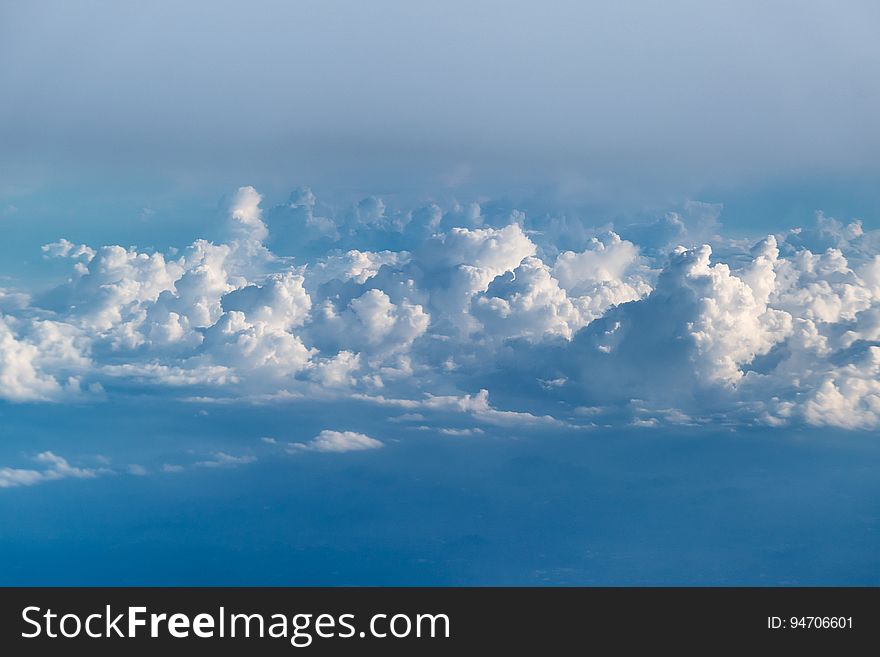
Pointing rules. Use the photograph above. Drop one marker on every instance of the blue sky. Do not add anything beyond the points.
(331, 293)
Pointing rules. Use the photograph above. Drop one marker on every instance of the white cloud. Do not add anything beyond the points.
(461, 263)
(40, 360)
(281, 302)
(607, 260)
(13, 300)
(224, 460)
(254, 347)
(534, 301)
(64, 248)
(527, 303)
(337, 441)
(354, 265)
(372, 323)
(730, 322)
(338, 371)
(849, 396)
(449, 431)
(696, 331)
(56, 467)
(171, 375)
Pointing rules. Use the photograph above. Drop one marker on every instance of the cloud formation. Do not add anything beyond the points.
(337, 441)
(55, 467)
(432, 310)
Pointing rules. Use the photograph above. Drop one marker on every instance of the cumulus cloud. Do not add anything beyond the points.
(293, 225)
(372, 323)
(696, 330)
(40, 360)
(354, 265)
(247, 217)
(528, 303)
(337, 441)
(457, 265)
(849, 396)
(450, 431)
(428, 310)
(535, 301)
(339, 370)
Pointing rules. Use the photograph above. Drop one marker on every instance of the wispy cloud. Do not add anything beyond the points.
(56, 467)
(337, 441)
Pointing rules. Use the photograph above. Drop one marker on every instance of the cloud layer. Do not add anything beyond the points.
(442, 309)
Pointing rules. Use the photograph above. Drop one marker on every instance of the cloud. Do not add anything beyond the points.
(56, 467)
(535, 301)
(11, 301)
(338, 371)
(247, 215)
(449, 431)
(476, 405)
(224, 460)
(431, 309)
(527, 303)
(696, 330)
(40, 360)
(455, 266)
(849, 396)
(337, 441)
(354, 265)
(372, 323)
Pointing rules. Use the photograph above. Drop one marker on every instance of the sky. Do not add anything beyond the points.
(439, 293)
(667, 99)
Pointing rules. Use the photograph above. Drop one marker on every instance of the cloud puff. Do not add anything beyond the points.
(222, 460)
(247, 217)
(476, 405)
(535, 301)
(41, 360)
(695, 331)
(849, 398)
(372, 323)
(296, 223)
(354, 265)
(453, 267)
(527, 303)
(337, 441)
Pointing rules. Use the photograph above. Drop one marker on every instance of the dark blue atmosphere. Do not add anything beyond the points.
(610, 507)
